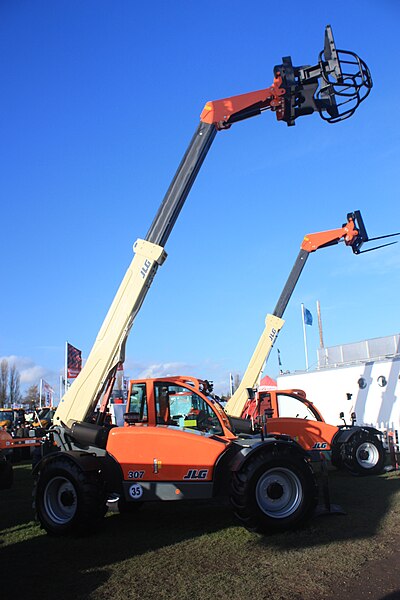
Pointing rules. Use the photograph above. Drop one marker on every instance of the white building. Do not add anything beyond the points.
(363, 377)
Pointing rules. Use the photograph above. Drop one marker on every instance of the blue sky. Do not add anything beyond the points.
(99, 101)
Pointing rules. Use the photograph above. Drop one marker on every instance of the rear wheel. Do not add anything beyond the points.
(365, 455)
(68, 499)
(274, 492)
(6, 473)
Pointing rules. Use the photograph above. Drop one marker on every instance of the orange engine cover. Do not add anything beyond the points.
(309, 434)
(164, 453)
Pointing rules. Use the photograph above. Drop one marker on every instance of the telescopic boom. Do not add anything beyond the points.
(296, 91)
(354, 234)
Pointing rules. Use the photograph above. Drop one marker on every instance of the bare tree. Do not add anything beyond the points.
(14, 386)
(3, 382)
(32, 396)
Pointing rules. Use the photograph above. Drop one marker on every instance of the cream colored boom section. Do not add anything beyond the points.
(235, 405)
(109, 347)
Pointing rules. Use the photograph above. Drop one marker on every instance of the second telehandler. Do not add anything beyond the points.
(357, 448)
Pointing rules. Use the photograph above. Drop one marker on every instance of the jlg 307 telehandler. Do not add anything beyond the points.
(270, 482)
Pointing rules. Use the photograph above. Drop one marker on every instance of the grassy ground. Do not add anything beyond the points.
(195, 550)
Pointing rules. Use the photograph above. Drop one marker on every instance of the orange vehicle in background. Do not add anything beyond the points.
(15, 442)
(11, 418)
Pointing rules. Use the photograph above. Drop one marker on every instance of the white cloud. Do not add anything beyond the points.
(205, 370)
(164, 370)
(30, 372)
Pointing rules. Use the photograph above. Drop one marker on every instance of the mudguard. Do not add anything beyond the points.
(84, 460)
(241, 450)
(346, 432)
(275, 444)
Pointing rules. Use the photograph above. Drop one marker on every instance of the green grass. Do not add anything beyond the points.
(196, 550)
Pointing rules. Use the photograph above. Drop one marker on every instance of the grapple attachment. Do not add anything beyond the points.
(334, 87)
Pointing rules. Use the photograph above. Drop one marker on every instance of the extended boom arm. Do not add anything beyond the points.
(293, 93)
(354, 234)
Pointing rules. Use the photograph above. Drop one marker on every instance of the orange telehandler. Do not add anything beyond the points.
(270, 482)
(357, 448)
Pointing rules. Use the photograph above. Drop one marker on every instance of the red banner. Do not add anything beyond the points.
(74, 361)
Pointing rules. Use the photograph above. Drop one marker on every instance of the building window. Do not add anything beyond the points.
(382, 381)
(362, 384)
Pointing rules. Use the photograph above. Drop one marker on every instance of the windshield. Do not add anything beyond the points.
(46, 413)
(183, 407)
(289, 406)
(6, 415)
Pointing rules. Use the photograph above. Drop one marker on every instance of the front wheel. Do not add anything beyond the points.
(68, 499)
(365, 455)
(274, 492)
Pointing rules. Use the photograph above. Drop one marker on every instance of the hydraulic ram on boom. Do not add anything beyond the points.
(334, 87)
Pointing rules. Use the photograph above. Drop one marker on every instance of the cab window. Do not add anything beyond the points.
(179, 406)
(288, 406)
(138, 402)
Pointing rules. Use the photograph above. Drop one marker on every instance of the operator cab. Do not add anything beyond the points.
(175, 402)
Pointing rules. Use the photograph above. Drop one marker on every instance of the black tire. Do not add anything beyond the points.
(274, 492)
(68, 499)
(336, 457)
(6, 473)
(364, 455)
(337, 462)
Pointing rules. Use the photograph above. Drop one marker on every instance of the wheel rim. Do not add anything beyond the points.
(367, 455)
(279, 492)
(60, 500)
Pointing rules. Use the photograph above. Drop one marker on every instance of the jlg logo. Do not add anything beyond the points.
(320, 446)
(144, 270)
(272, 335)
(194, 474)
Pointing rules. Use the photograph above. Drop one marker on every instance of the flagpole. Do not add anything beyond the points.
(321, 337)
(304, 335)
(66, 368)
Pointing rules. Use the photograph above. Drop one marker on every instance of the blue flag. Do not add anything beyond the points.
(307, 317)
